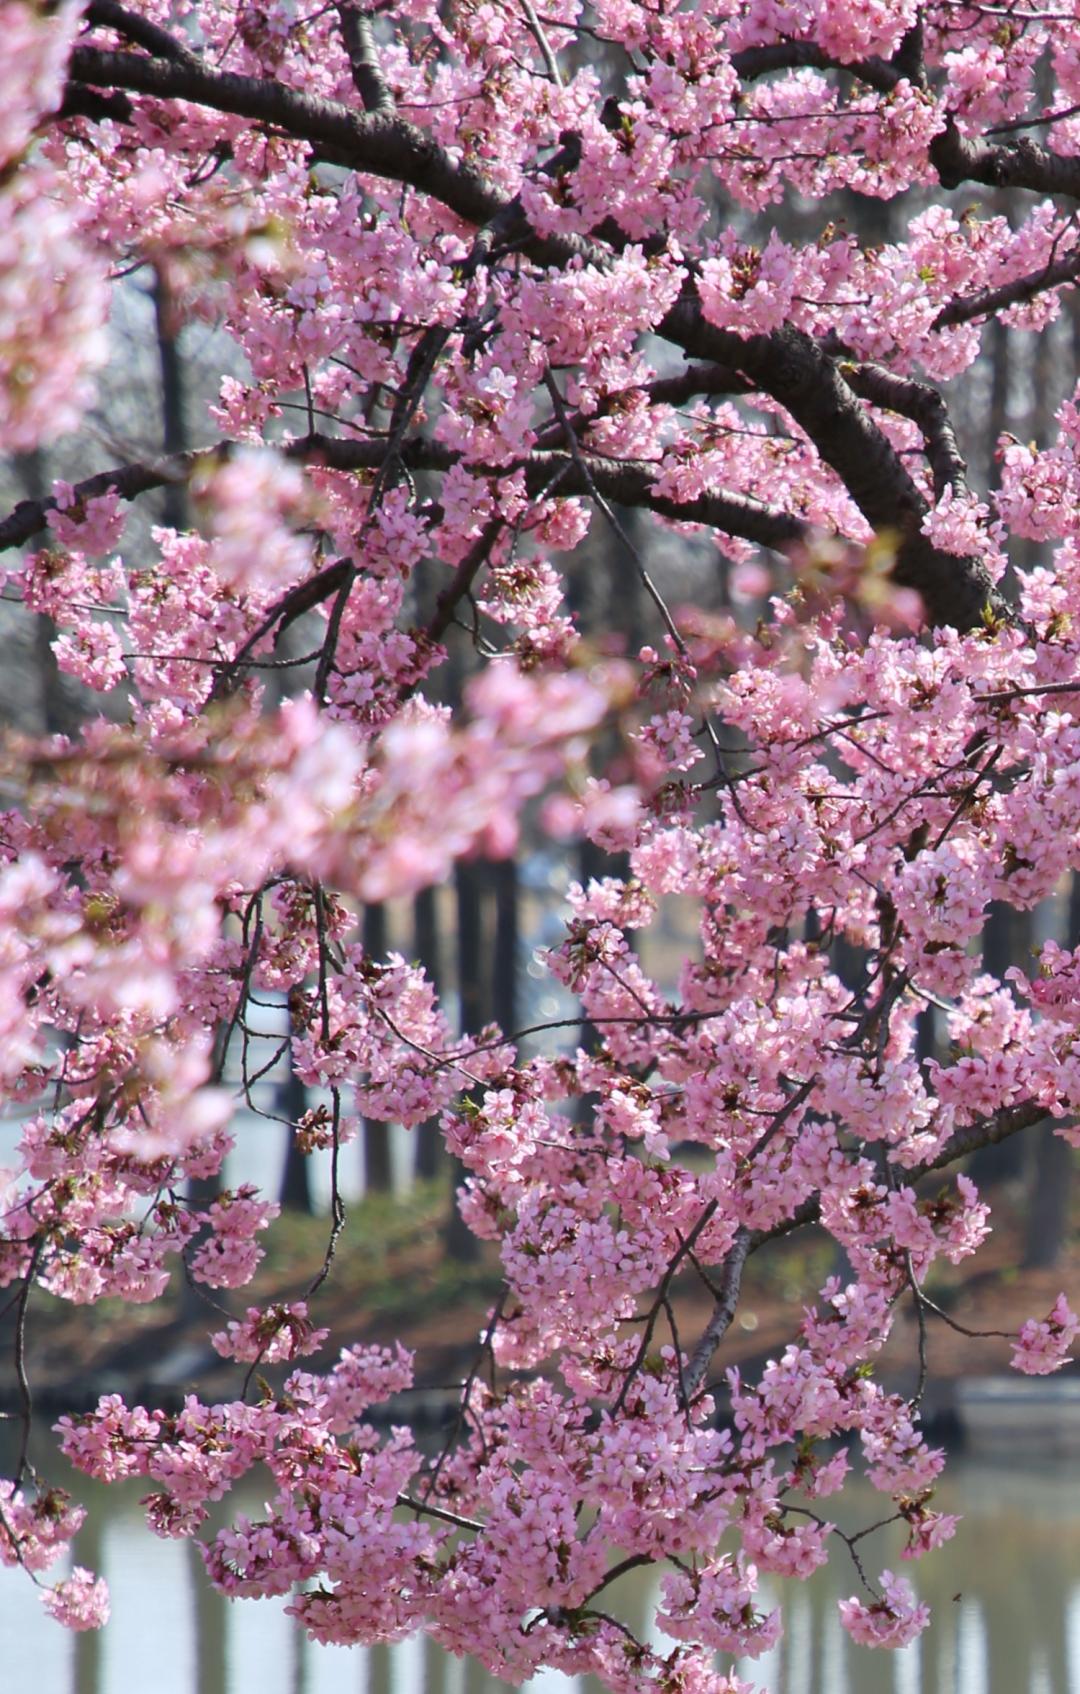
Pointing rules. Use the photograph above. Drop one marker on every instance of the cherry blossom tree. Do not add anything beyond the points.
(497, 274)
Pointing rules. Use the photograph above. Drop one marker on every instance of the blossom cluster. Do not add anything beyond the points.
(478, 303)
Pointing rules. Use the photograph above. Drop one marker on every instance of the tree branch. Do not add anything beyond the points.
(359, 39)
(810, 383)
(925, 407)
(788, 365)
(628, 482)
(754, 62)
(986, 301)
(381, 142)
(109, 14)
(985, 1133)
(723, 1312)
(463, 579)
(1022, 163)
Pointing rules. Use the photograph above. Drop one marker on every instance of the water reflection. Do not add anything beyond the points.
(1006, 1596)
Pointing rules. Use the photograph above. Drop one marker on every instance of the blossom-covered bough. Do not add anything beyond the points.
(517, 265)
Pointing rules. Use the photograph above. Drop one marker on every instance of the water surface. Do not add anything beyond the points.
(1006, 1596)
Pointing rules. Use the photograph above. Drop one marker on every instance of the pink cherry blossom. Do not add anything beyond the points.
(538, 505)
(81, 1601)
(892, 1621)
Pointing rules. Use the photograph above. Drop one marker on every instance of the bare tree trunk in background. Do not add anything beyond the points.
(377, 1173)
(1048, 1208)
(473, 1000)
(201, 1191)
(174, 436)
(999, 346)
(211, 1643)
(292, 1103)
(504, 962)
(1006, 937)
(426, 944)
(54, 712)
(593, 863)
(1045, 378)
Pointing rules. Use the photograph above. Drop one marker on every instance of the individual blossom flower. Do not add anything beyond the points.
(1043, 1344)
(92, 526)
(892, 1621)
(35, 1532)
(280, 1332)
(926, 1529)
(253, 499)
(79, 1602)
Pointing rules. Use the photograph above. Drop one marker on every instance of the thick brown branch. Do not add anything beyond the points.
(1018, 164)
(109, 14)
(628, 482)
(754, 62)
(810, 384)
(359, 39)
(27, 519)
(787, 365)
(987, 301)
(82, 102)
(1021, 163)
(924, 406)
(463, 579)
(380, 142)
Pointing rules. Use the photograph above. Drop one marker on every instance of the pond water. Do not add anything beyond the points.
(1006, 1594)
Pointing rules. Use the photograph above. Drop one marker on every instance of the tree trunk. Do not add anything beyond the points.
(1048, 1209)
(56, 717)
